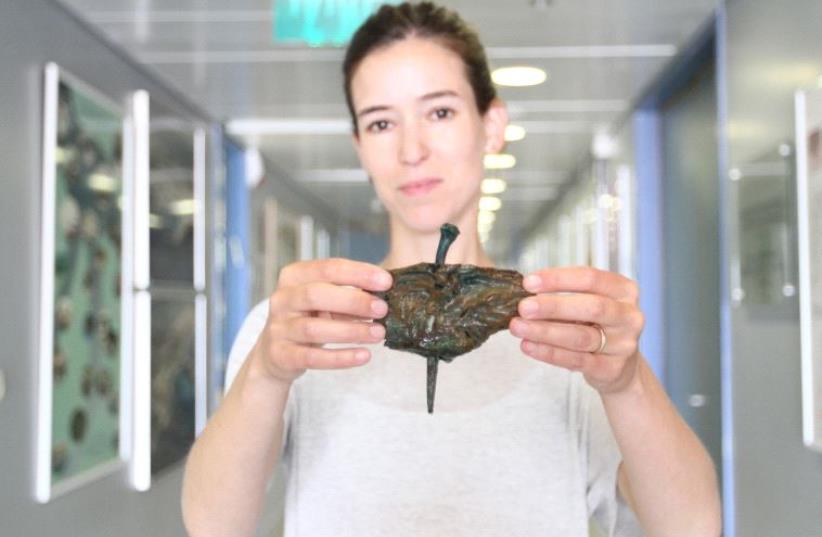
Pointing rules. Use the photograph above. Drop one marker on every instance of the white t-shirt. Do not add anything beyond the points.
(515, 447)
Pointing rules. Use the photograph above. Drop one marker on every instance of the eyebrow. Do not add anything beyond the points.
(426, 97)
(438, 94)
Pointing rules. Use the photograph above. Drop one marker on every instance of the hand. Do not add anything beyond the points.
(563, 329)
(318, 302)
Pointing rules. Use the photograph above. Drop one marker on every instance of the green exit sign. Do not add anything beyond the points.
(320, 22)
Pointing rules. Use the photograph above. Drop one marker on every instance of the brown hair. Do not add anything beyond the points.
(393, 23)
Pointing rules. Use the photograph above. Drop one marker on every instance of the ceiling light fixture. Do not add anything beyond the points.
(184, 207)
(499, 161)
(489, 203)
(484, 229)
(493, 185)
(514, 133)
(486, 218)
(518, 76)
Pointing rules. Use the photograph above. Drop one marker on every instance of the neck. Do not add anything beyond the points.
(409, 247)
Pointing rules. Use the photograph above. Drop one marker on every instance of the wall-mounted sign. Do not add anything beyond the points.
(320, 22)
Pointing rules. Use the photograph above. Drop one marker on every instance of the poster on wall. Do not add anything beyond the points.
(809, 210)
(78, 429)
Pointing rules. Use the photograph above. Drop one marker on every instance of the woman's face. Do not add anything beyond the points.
(419, 134)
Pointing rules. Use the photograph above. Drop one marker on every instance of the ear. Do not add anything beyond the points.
(495, 120)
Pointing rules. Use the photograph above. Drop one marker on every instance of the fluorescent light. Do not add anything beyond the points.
(492, 185)
(287, 55)
(102, 182)
(499, 161)
(566, 105)
(155, 221)
(185, 207)
(518, 76)
(594, 51)
(514, 133)
(489, 203)
(272, 126)
(328, 175)
(486, 217)
(484, 228)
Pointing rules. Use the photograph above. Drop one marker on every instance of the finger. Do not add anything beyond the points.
(317, 330)
(580, 307)
(582, 280)
(336, 270)
(307, 357)
(600, 371)
(577, 337)
(343, 316)
(326, 297)
(572, 337)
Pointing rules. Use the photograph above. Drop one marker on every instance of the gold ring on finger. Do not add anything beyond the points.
(603, 340)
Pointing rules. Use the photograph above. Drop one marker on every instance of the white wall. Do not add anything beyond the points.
(33, 32)
(772, 48)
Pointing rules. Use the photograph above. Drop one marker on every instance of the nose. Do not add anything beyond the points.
(413, 145)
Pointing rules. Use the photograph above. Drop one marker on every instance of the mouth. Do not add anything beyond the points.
(419, 188)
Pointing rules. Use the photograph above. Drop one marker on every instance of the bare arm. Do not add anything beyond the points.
(230, 463)
(316, 302)
(666, 476)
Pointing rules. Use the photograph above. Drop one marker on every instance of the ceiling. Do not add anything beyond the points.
(599, 54)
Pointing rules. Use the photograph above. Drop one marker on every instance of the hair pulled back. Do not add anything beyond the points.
(391, 23)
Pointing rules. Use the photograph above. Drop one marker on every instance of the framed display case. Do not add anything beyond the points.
(173, 391)
(173, 376)
(809, 211)
(81, 347)
(767, 209)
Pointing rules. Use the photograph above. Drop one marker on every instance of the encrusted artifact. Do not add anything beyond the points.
(441, 311)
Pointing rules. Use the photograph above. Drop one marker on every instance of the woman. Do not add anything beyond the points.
(543, 427)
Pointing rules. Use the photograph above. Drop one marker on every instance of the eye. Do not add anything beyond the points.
(378, 125)
(442, 113)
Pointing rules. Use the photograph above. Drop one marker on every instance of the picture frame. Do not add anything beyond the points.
(171, 386)
(766, 197)
(175, 382)
(808, 121)
(83, 327)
